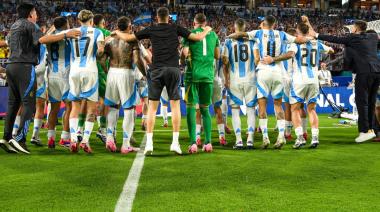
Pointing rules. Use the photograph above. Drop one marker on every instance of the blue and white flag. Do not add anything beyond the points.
(143, 18)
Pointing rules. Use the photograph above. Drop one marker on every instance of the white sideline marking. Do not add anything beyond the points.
(125, 202)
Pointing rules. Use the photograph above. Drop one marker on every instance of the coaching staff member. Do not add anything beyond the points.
(164, 70)
(362, 57)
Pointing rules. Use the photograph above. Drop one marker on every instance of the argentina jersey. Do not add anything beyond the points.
(240, 54)
(84, 49)
(289, 65)
(307, 61)
(271, 43)
(59, 59)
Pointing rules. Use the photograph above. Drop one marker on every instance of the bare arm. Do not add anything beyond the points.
(200, 36)
(138, 61)
(103, 59)
(100, 51)
(226, 71)
(124, 36)
(269, 60)
(256, 53)
(48, 38)
(184, 55)
(217, 53)
(238, 35)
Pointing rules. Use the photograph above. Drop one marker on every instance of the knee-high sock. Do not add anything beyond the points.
(288, 127)
(65, 135)
(236, 123)
(251, 121)
(281, 127)
(221, 131)
(164, 111)
(51, 134)
(128, 125)
(263, 123)
(81, 120)
(206, 117)
(111, 123)
(224, 108)
(73, 129)
(16, 125)
(36, 128)
(88, 127)
(191, 123)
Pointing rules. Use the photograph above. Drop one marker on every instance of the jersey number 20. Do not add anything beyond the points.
(312, 54)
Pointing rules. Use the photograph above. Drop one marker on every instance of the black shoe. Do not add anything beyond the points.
(102, 137)
(36, 142)
(8, 148)
(314, 145)
(19, 146)
(239, 145)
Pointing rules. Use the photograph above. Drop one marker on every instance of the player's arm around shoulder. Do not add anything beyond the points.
(200, 36)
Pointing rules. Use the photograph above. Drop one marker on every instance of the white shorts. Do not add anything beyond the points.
(121, 88)
(164, 97)
(41, 91)
(240, 91)
(269, 82)
(83, 85)
(287, 84)
(58, 89)
(301, 93)
(143, 88)
(217, 96)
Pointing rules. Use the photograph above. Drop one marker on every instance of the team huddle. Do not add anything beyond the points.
(96, 72)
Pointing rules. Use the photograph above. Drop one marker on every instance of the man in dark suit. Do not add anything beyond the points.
(362, 56)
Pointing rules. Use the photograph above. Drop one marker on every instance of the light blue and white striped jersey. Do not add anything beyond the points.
(290, 65)
(271, 43)
(84, 49)
(307, 60)
(240, 54)
(41, 67)
(59, 58)
(219, 63)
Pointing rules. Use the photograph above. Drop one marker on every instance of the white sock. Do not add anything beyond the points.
(198, 130)
(65, 135)
(128, 125)
(36, 128)
(288, 127)
(263, 123)
(315, 132)
(73, 129)
(143, 117)
(98, 120)
(164, 112)
(111, 123)
(51, 134)
(281, 127)
(251, 122)
(175, 137)
(149, 138)
(224, 108)
(236, 123)
(298, 131)
(88, 127)
(221, 130)
(304, 125)
(16, 125)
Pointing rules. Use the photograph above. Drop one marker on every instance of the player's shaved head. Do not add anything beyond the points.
(270, 20)
(98, 18)
(123, 23)
(60, 22)
(240, 25)
(200, 18)
(303, 28)
(361, 25)
(292, 31)
(163, 13)
(85, 15)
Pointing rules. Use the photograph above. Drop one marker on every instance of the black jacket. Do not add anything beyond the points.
(361, 51)
(23, 42)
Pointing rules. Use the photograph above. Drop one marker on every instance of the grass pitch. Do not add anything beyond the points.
(338, 176)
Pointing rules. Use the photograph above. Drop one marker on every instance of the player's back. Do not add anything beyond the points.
(307, 62)
(241, 59)
(84, 49)
(59, 58)
(120, 53)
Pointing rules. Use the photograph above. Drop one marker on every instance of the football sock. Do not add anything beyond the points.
(88, 126)
(111, 123)
(288, 127)
(73, 129)
(263, 123)
(164, 110)
(51, 134)
(224, 108)
(206, 117)
(281, 127)
(315, 132)
(175, 137)
(191, 123)
(65, 135)
(81, 120)
(16, 125)
(236, 123)
(149, 138)
(103, 124)
(304, 125)
(36, 128)
(221, 131)
(128, 125)
(298, 131)
(198, 128)
(251, 121)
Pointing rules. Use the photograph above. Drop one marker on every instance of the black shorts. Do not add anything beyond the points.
(170, 77)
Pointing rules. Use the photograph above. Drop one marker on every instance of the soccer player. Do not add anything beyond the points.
(240, 58)
(164, 71)
(99, 23)
(59, 51)
(305, 85)
(121, 89)
(199, 79)
(269, 76)
(83, 78)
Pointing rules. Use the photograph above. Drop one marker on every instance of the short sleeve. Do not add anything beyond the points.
(252, 34)
(100, 37)
(323, 48)
(292, 48)
(143, 34)
(225, 51)
(183, 32)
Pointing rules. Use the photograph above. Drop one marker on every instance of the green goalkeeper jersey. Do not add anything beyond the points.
(200, 63)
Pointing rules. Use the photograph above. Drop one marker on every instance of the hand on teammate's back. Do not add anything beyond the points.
(267, 60)
(73, 33)
(207, 28)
